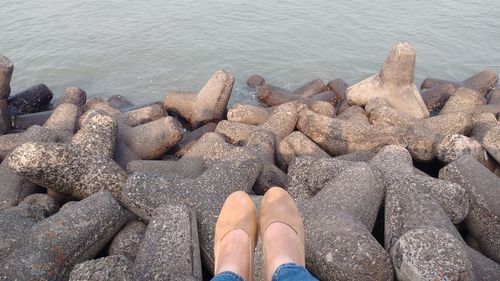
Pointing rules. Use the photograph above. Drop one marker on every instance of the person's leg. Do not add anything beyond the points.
(282, 232)
(235, 238)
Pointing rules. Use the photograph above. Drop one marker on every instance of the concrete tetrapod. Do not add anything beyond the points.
(208, 105)
(80, 168)
(483, 219)
(338, 221)
(170, 247)
(59, 127)
(143, 193)
(395, 82)
(126, 242)
(338, 137)
(75, 234)
(110, 268)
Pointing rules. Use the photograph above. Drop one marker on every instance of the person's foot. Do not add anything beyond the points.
(236, 236)
(282, 231)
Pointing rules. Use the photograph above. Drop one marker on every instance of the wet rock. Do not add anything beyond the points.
(111, 268)
(127, 240)
(75, 234)
(482, 221)
(295, 145)
(248, 114)
(274, 96)
(339, 87)
(430, 83)
(464, 100)
(148, 141)
(30, 100)
(338, 221)
(23, 122)
(338, 137)
(14, 188)
(380, 112)
(354, 114)
(255, 81)
(80, 168)
(208, 105)
(6, 69)
(483, 81)
(170, 246)
(205, 195)
(310, 89)
(190, 138)
(119, 102)
(454, 146)
(395, 82)
(437, 96)
(74, 96)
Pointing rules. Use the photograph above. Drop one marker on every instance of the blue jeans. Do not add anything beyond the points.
(285, 272)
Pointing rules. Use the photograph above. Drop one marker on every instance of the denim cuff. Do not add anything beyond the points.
(292, 271)
(227, 276)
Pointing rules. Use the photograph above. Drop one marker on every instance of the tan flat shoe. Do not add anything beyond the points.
(278, 206)
(238, 212)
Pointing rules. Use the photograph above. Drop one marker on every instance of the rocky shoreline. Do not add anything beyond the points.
(393, 182)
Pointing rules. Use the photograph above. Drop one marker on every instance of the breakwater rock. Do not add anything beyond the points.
(394, 182)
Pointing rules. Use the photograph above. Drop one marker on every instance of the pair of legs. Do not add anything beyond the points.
(281, 230)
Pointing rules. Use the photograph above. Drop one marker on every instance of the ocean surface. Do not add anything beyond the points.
(142, 49)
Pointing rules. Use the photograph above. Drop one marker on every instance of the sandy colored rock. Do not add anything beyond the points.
(6, 69)
(208, 105)
(248, 114)
(355, 114)
(126, 242)
(464, 100)
(170, 246)
(147, 141)
(339, 137)
(452, 147)
(295, 145)
(491, 141)
(74, 96)
(380, 112)
(395, 82)
(495, 96)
